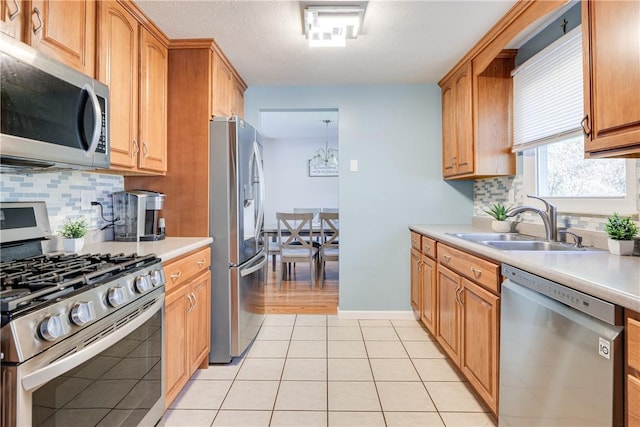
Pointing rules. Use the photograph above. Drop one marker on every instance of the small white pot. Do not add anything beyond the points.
(501, 226)
(620, 247)
(73, 245)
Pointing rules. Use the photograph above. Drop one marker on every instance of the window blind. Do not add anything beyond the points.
(548, 94)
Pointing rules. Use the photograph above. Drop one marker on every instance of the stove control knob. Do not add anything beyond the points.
(143, 283)
(157, 277)
(52, 327)
(82, 313)
(116, 296)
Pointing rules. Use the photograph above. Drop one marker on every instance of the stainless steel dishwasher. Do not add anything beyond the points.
(561, 355)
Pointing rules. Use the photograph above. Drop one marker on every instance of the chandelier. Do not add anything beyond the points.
(326, 156)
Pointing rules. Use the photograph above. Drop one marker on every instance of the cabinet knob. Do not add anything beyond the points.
(447, 258)
(477, 273)
(427, 248)
(136, 149)
(175, 276)
(200, 263)
(585, 126)
(145, 149)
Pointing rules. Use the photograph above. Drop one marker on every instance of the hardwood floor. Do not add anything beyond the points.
(296, 297)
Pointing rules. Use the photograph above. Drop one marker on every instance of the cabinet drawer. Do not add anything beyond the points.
(633, 343)
(429, 247)
(180, 271)
(481, 271)
(415, 240)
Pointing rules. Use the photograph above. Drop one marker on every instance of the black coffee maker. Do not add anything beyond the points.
(139, 216)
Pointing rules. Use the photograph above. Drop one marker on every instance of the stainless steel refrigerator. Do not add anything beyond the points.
(236, 225)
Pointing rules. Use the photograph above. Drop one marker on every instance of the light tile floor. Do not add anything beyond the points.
(316, 370)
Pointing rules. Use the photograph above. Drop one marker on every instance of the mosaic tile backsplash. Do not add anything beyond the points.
(492, 190)
(63, 193)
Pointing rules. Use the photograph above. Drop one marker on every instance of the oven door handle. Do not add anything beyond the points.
(59, 367)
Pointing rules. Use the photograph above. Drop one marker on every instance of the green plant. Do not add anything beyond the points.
(620, 228)
(498, 211)
(74, 228)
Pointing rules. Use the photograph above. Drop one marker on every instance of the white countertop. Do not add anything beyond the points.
(167, 249)
(612, 278)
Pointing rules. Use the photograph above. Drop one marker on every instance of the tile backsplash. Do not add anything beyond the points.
(63, 193)
(492, 190)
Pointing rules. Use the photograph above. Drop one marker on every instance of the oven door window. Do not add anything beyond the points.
(115, 388)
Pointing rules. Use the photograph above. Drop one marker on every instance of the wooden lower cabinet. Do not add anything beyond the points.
(187, 319)
(448, 313)
(415, 280)
(633, 369)
(479, 357)
(460, 305)
(428, 298)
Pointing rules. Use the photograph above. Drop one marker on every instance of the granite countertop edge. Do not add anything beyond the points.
(167, 249)
(613, 278)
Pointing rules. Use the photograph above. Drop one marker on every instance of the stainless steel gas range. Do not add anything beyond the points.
(81, 335)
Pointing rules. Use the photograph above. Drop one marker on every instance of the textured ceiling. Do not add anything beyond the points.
(400, 42)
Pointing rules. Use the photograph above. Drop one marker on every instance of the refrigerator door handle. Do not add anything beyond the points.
(245, 271)
(260, 219)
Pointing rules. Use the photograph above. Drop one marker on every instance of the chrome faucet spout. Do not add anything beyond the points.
(549, 216)
(543, 215)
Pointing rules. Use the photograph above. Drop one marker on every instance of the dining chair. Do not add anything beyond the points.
(329, 233)
(294, 246)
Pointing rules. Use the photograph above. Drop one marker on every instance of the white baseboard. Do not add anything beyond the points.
(361, 314)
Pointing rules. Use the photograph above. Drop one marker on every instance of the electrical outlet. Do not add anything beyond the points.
(86, 197)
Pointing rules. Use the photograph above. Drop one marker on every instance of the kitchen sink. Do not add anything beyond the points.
(478, 237)
(535, 245)
(519, 242)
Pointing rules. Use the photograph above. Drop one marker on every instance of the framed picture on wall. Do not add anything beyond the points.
(323, 169)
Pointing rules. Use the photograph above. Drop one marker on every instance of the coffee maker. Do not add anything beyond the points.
(137, 214)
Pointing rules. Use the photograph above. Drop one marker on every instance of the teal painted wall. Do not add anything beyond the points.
(394, 131)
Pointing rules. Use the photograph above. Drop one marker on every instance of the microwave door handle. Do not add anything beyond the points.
(97, 120)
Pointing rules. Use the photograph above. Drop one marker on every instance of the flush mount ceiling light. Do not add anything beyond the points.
(332, 25)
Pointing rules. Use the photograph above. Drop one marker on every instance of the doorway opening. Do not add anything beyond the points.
(301, 158)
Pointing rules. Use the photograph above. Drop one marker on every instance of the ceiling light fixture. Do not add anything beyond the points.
(328, 26)
(326, 156)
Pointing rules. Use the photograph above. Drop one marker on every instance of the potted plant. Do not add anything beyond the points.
(498, 212)
(621, 232)
(73, 231)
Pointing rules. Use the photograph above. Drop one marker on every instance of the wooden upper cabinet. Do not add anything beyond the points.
(153, 103)
(222, 87)
(611, 58)
(476, 107)
(237, 99)
(11, 15)
(64, 30)
(118, 68)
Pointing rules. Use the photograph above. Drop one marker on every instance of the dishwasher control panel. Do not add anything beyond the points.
(585, 303)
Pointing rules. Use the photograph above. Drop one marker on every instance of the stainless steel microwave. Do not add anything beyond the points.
(52, 116)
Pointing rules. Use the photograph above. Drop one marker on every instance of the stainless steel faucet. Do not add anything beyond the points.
(549, 216)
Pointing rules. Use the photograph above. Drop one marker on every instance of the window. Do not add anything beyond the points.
(548, 107)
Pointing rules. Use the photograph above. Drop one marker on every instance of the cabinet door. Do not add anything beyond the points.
(428, 306)
(611, 40)
(237, 100)
(118, 69)
(221, 97)
(153, 104)
(448, 313)
(448, 130)
(175, 348)
(633, 401)
(464, 121)
(11, 14)
(199, 321)
(479, 355)
(64, 30)
(415, 280)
